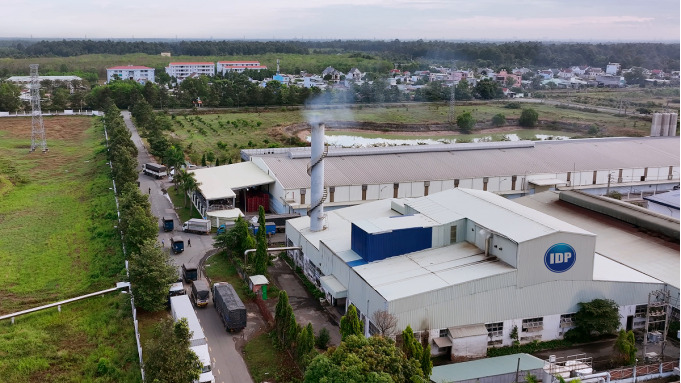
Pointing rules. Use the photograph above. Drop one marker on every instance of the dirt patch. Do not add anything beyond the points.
(68, 128)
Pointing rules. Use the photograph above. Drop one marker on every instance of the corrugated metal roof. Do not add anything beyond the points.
(396, 222)
(333, 286)
(258, 279)
(494, 212)
(605, 269)
(428, 270)
(619, 241)
(481, 368)
(468, 330)
(670, 199)
(219, 182)
(545, 158)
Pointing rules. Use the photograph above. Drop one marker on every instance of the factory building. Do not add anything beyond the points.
(469, 266)
(632, 166)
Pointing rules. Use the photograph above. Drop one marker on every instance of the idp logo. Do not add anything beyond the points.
(560, 257)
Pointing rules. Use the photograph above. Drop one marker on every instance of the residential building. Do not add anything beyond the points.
(334, 75)
(182, 70)
(140, 74)
(613, 68)
(239, 66)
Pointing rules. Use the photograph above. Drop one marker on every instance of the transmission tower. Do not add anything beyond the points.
(657, 315)
(37, 127)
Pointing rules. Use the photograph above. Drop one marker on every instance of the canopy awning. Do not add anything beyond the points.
(332, 286)
(443, 342)
(546, 181)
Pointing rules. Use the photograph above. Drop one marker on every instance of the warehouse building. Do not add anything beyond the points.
(469, 266)
(632, 166)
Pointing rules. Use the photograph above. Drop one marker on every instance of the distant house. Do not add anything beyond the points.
(165, 54)
(657, 73)
(593, 72)
(579, 70)
(566, 74)
(239, 66)
(546, 74)
(182, 70)
(503, 76)
(141, 74)
(333, 73)
(610, 81)
(354, 74)
(612, 68)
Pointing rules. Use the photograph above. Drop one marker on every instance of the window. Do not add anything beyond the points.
(495, 329)
(444, 332)
(640, 311)
(567, 320)
(533, 324)
(452, 234)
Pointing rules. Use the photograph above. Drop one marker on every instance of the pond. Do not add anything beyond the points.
(363, 140)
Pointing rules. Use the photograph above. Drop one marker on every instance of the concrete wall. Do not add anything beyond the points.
(472, 346)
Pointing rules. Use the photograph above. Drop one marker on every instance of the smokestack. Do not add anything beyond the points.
(316, 171)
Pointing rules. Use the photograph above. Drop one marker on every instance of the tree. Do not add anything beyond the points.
(528, 118)
(60, 99)
(426, 362)
(463, 91)
(285, 324)
(498, 119)
(9, 97)
(261, 258)
(138, 226)
(151, 273)
(385, 322)
(186, 181)
(350, 324)
(174, 158)
(625, 346)
(236, 240)
(359, 359)
(411, 347)
(168, 356)
(305, 344)
(466, 122)
(600, 316)
(203, 160)
(322, 339)
(488, 89)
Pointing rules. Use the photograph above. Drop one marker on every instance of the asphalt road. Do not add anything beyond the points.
(228, 364)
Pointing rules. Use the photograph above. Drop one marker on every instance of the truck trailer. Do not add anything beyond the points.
(181, 307)
(229, 307)
(195, 225)
(169, 220)
(155, 170)
(177, 244)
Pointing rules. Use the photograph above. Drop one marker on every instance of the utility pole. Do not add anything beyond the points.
(607, 190)
(37, 127)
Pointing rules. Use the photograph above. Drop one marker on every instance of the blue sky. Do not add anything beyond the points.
(566, 20)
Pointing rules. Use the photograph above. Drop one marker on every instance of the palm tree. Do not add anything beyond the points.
(187, 183)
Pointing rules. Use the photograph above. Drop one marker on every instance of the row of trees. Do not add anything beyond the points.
(516, 53)
(168, 357)
(373, 359)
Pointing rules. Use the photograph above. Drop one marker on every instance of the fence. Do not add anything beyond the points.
(649, 371)
(67, 112)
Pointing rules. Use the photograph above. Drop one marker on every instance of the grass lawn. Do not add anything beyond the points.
(57, 241)
(265, 362)
(225, 134)
(220, 269)
(185, 213)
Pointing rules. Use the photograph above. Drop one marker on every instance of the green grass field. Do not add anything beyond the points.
(57, 241)
(225, 134)
(266, 363)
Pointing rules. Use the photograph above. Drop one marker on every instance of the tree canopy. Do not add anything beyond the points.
(151, 274)
(350, 324)
(168, 357)
(600, 316)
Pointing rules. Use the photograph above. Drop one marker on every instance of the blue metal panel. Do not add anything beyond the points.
(374, 247)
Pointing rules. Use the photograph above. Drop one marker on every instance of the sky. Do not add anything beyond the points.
(477, 20)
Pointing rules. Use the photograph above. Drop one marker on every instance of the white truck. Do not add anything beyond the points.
(181, 307)
(195, 225)
(156, 170)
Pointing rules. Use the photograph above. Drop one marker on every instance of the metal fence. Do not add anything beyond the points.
(645, 370)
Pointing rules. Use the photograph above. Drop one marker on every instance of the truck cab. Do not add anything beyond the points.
(200, 292)
(177, 244)
(190, 271)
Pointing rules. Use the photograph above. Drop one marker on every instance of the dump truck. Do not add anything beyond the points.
(200, 292)
(195, 225)
(228, 305)
(155, 170)
(169, 220)
(190, 271)
(177, 244)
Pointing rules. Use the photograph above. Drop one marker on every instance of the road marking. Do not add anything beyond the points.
(210, 349)
(219, 373)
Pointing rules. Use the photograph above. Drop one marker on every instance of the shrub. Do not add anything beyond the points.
(512, 105)
(528, 118)
(321, 341)
(498, 120)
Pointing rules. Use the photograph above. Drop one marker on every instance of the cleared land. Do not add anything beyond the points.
(57, 241)
(224, 134)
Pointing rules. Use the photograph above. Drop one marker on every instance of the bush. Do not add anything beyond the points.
(528, 118)
(512, 105)
(466, 122)
(499, 120)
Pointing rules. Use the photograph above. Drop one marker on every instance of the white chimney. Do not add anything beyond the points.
(316, 171)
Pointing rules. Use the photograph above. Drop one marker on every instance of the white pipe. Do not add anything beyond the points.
(591, 376)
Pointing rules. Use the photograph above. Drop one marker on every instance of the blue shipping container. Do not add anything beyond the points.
(374, 247)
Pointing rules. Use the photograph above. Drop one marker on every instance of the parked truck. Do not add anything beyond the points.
(181, 307)
(270, 228)
(228, 305)
(169, 220)
(177, 244)
(195, 225)
(200, 292)
(155, 170)
(190, 271)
